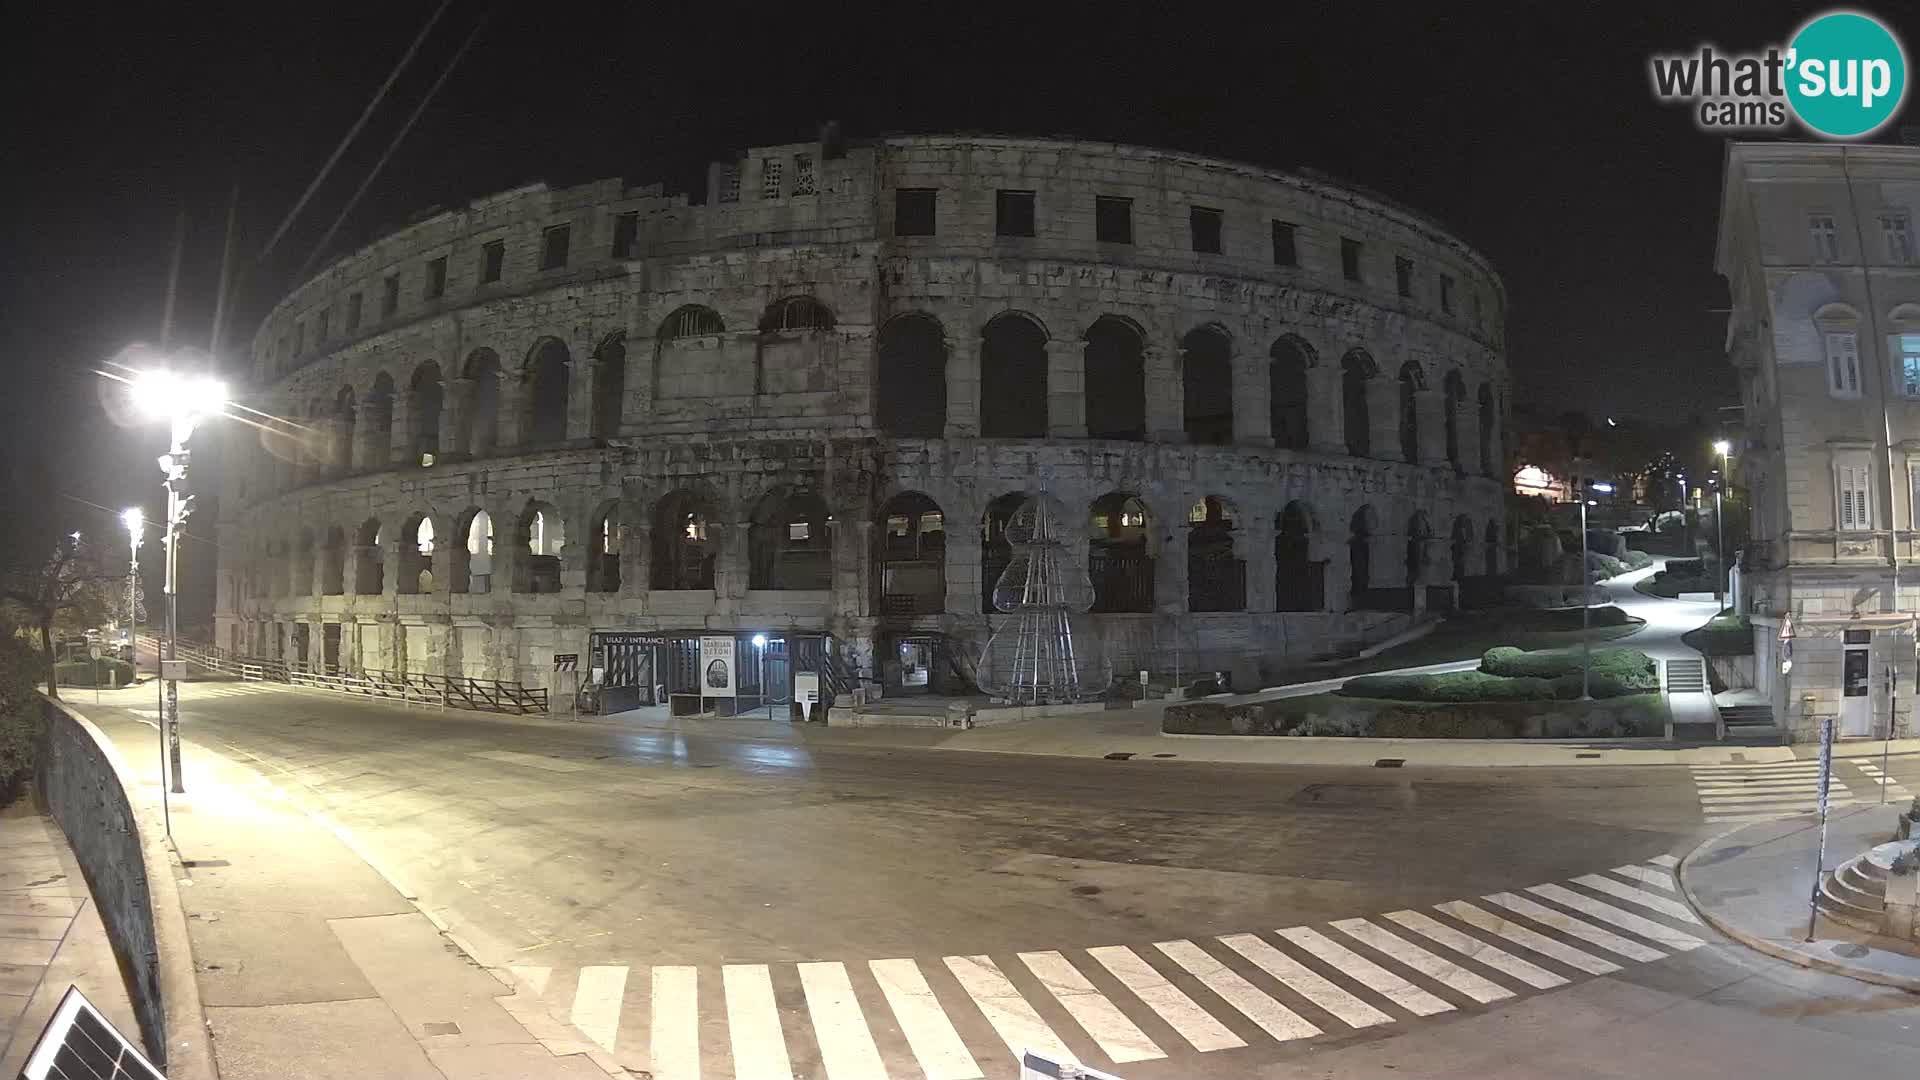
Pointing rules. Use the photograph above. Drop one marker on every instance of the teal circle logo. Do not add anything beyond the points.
(1847, 75)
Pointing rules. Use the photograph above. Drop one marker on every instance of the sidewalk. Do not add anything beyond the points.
(1753, 884)
(312, 966)
(50, 936)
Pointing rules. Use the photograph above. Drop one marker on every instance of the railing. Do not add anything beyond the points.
(405, 687)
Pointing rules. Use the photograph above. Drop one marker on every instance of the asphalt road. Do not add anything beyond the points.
(565, 849)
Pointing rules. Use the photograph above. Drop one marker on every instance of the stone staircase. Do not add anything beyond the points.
(1751, 725)
(1686, 676)
(1856, 894)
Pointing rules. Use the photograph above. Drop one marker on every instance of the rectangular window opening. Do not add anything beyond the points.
(1843, 364)
(1112, 219)
(554, 241)
(1204, 222)
(353, 313)
(1908, 348)
(803, 174)
(1825, 238)
(436, 278)
(390, 296)
(1898, 229)
(493, 261)
(913, 211)
(1403, 275)
(626, 229)
(1284, 252)
(1350, 258)
(771, 172)
(1013, 213)
(1446, 294)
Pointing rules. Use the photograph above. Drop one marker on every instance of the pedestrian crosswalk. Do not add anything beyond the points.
(1882, 780)
(968, 1017)
(1763, 791)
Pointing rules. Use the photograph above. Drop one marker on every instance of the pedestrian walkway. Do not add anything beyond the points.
(968, 1016)
(1765, 791)
(50, 936)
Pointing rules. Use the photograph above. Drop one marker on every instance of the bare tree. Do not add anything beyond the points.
(65, 587)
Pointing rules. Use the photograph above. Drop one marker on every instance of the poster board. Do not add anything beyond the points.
(717, 667)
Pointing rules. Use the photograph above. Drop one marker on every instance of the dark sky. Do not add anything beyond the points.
(1532, 134)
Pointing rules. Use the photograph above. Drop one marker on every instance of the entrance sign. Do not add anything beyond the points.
(717, 666)
(806, 692)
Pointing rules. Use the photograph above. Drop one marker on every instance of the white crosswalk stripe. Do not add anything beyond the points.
(1119, 1039)
(1672, 909)
(1880, 779)
(1393, 987)
(1121, 1003)
(1763, 791)
(1018, 1023)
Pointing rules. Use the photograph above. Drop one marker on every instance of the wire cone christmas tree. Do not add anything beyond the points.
(1043, 655)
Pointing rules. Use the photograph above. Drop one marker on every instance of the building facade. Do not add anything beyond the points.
(1817, 244)
(804, 408)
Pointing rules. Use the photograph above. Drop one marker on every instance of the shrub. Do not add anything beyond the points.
(1638, 560)
(1601, 567)
(1630, 669)
(1444, 724)
(102, 672)
(20, 719)
(1451, 686)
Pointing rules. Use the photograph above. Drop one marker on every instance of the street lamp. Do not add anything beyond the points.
(1586, 594)
(183, 401)
(1721, 448)
(760, 658)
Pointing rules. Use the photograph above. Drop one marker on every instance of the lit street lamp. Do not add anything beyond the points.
(1721, 448)
(183, 401)
(1586, 587)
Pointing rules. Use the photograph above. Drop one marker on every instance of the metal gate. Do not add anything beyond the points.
(629, 663)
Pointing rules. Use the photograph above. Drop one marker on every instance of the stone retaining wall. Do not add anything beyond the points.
(1636, 715)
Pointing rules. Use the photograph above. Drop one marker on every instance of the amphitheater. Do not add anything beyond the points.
(589, 427)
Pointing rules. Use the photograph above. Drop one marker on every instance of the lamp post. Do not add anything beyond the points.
(183, 401)
(760, 653)
(1586, 594)
(135, 520)
(1721, 449)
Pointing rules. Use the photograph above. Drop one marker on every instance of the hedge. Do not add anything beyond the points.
(20, 719)
(1339, 715)
(1630, 667)
(1638, 560)
(102, 672)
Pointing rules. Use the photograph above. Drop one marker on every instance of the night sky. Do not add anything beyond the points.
(1533, 136)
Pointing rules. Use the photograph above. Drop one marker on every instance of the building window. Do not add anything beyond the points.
(1013, 213)
(323, 328)
(299, 339)
(1898, 229)
(803, 174)
(436, 278)
(1907, 346)
(1350, 258)
(770, 175)
(493, 260)
(554, 240)
(1403, 275)
(1843, 364)
(353, 313)
(1112, 219)
(1284, 253)
(1204, 224)
(1825, 237)
(1913, 493)
(913, 212)
(626, 228)
(1446, 294)
(1854, 483)
(730, 184)
(390, 296)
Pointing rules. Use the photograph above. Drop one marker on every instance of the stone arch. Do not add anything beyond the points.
(1488, 465)
(910, 556)
(369, 562)
(1299, 581)
(1114, 360)
(1361, 530)
(1120, 552)
(425, 396)
(796, 314)
(540, 539)
(544, 415)
(1216, 576)
(609, 385)
(790, 542)
(1206, 383)
(1412, 381)
(1013, 377)
(479, 422)
(606, 542)
(1288, 399)
(1357, 369)
(418, 541)
(1461, 546)
(471, 565)
(1456, 388)
(685, 541)
(378, 420)
(690, 320)
(910, 379)
(1419, 532)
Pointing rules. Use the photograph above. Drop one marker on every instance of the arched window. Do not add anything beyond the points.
(472, 563)
(683, 552)
(790, 543)
(542, 537)
(1299, 582)
(1418, 534)
(795, 314)
(1216, 580)
(1206, 380)
(416, 555)
(1013, 379)
(996, 551)
(1490, 558)
(1116, 380)
(1287, 367)
(379, 422)
(546, 407)
(1462, 547)
(911, 377)
(480, 419)
(1412, 379)
(333, 563)
(1456, 388)
(1356, 370)
(691, 321)
(343, 421)
(1360, 556)
(604, 545)
(1119, 554)
(424, 395)
(1488, 464)
(609, 386)
(369, 560)
(911, 556)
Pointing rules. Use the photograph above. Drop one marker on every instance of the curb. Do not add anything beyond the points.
(1797, 957)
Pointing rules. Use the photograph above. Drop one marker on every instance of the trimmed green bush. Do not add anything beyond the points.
(1452, 686)
(1631, 667)
(1638, 560)
(102, 672)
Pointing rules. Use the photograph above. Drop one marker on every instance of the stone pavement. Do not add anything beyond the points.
(311, 965)
(50, 936)
(1752, 884)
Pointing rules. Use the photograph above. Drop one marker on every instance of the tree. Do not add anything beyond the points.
(60, 586)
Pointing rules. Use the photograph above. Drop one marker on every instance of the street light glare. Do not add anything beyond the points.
(1722, 447)
(1604, 489)
(134, 517)
(164, 394)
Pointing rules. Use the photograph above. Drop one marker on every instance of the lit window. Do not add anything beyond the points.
(897, 524)
(1843, 364)
(424, 538)
(1825, 237)
(1909, 364)
(797, 530)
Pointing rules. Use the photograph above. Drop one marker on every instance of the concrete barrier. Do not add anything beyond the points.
(132, 874)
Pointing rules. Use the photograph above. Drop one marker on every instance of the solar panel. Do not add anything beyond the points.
(80, 1044)
(1037, 1066)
